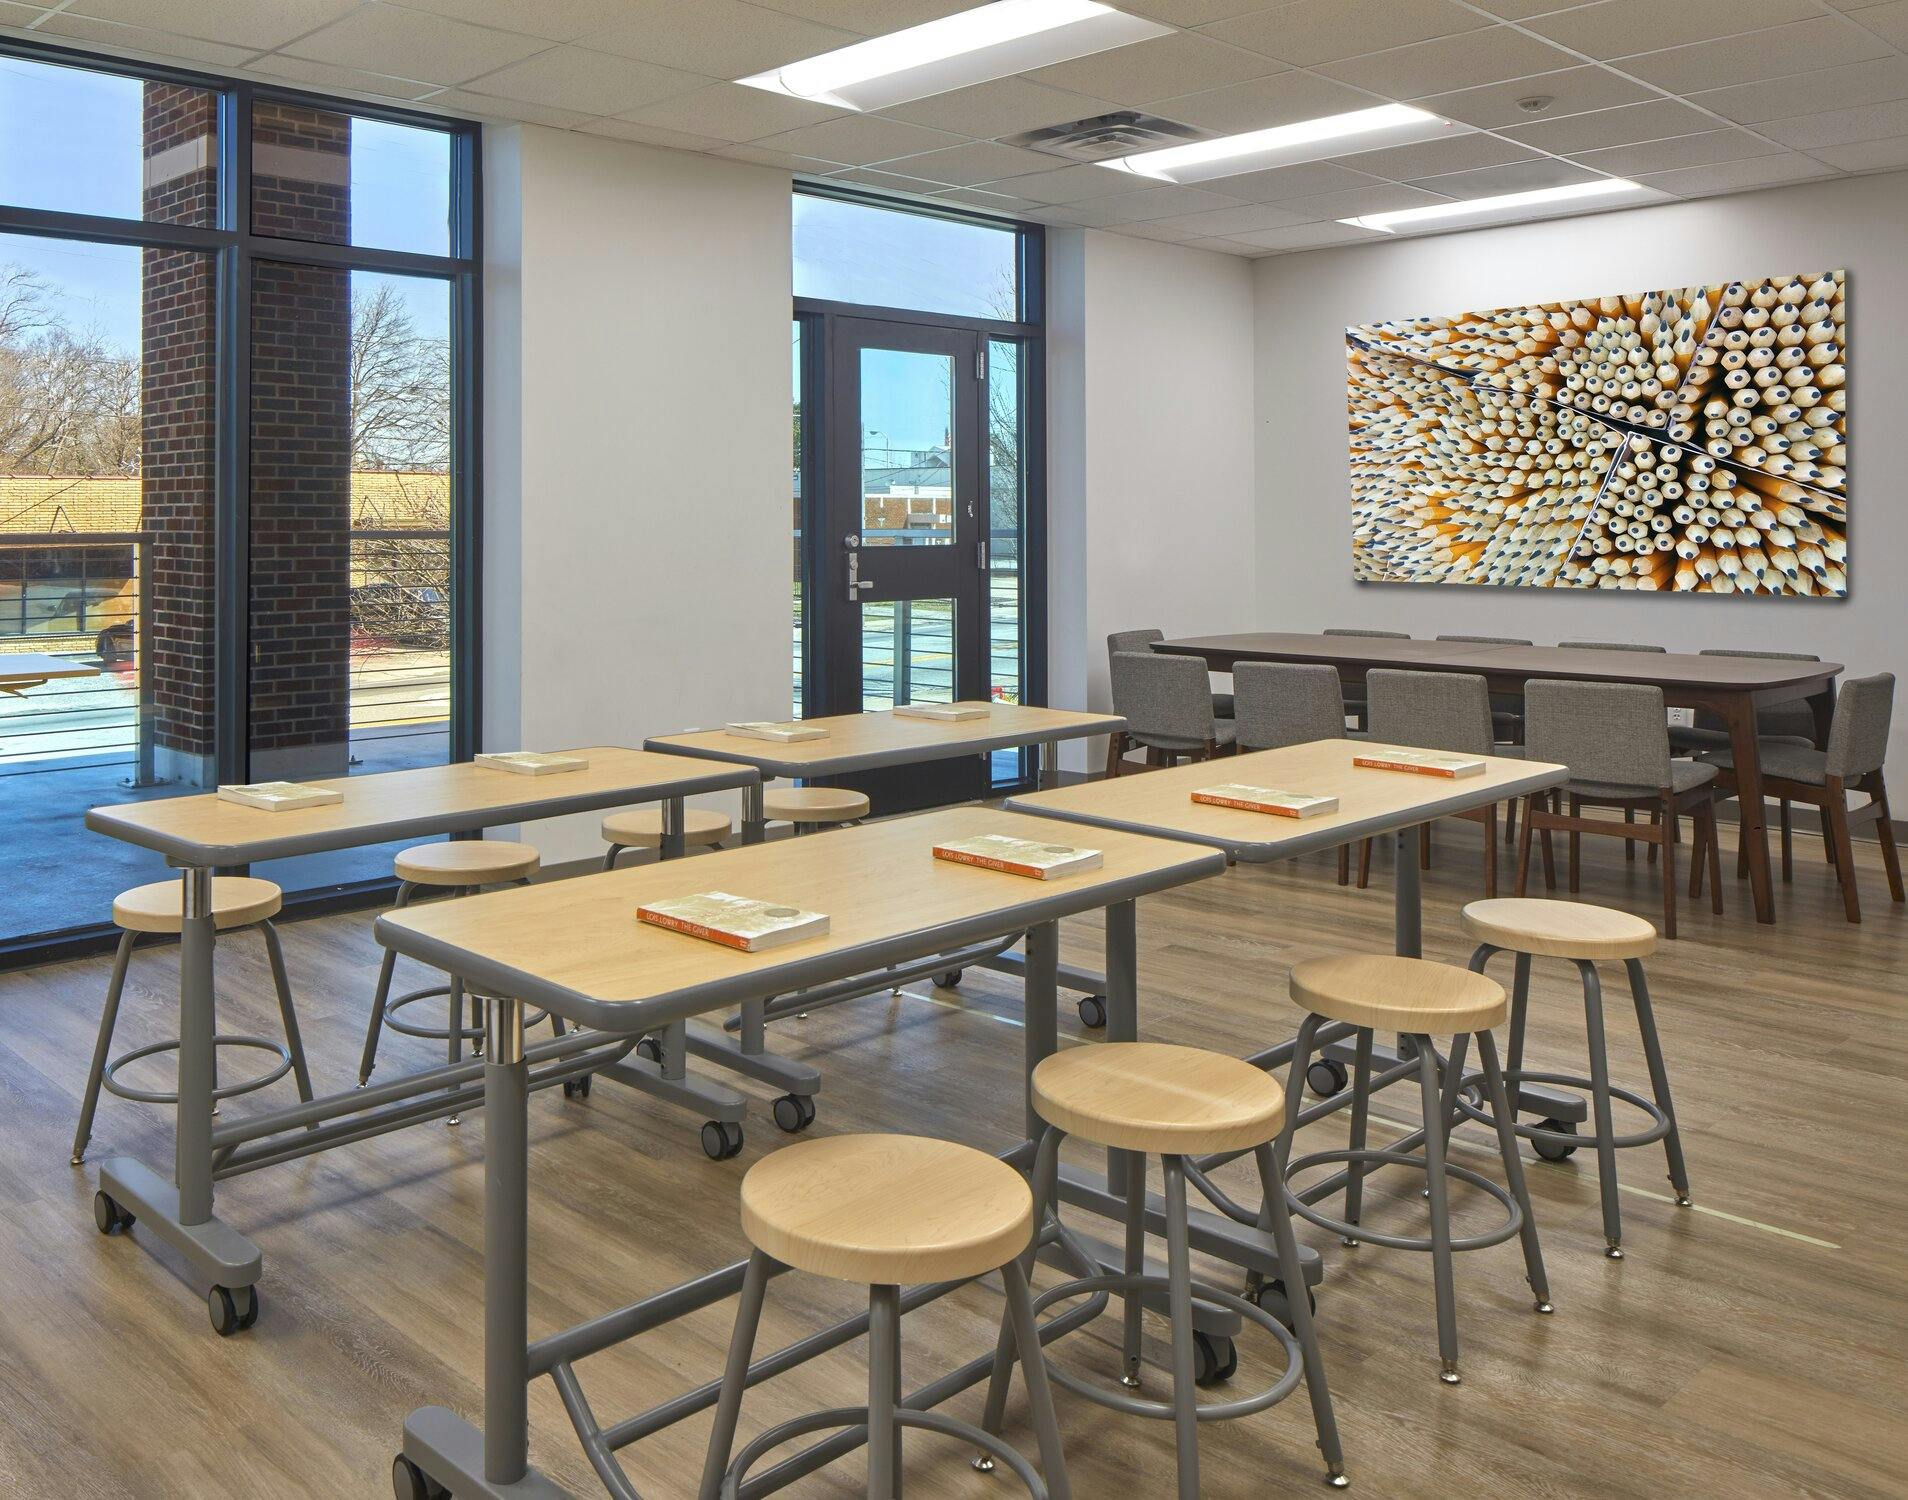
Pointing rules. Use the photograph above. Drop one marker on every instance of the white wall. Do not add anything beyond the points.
(1306, 301)
(636, 446)
(1151, 505)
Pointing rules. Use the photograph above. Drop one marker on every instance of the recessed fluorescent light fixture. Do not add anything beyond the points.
(972, 46)
(1288, 145)
(1507, 203)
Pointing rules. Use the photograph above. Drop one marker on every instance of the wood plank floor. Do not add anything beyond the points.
(1755, 1346)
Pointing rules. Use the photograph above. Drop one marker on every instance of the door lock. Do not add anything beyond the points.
(856, 583)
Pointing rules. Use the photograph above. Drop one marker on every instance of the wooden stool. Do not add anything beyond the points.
(1146, 1098)
(462, 867)
(237, 902)
(812, 807)
(642, 828)
(884, 1211)
(1421, 1001)
(1582, 934)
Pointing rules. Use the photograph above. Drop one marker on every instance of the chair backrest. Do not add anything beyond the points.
(1162, 697)
(1614, 732)
(1606, 646)
(1858, 734)
(1487, 640)
(1372, 635)
(1131, 640)
(1275, 704)
(1430, 710)
(1781, 718)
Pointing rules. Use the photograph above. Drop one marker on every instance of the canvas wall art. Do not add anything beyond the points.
(1691, 440)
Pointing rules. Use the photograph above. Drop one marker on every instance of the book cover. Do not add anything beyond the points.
(532, 762)
(734, 921)
(783, 732)
(279, 796)
(1420, 762)
(1028, 857)
(943, 712)
(1265, 799)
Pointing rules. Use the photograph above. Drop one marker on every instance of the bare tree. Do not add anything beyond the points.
(69, 403)
(400, 387)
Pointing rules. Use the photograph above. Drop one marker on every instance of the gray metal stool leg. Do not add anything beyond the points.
(884, 1384)
(1514, 1170)
(383, 996)
(1520, 1008)
(108, 1023)
(735, 1375)
(1179, 1302)
(1432, 1098)
(1133, 1305)
(1360, 1115)
(294, 1041)
(1046, 1196)
(1033, 1369)
(454, 1029)
(1659, 1077)
(609, 863)
(1299, 1303)
(1600, 1104)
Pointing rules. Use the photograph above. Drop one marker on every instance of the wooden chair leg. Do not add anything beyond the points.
(1523, 846)
(1885, 836)
(1115, 752)
(1836, 809)
(1576, 846)
(1490, 852)
(1655, 822)
(1424, 846)
(1510, 822)
(1699, 853)
(1666, 832)
(1742, 853)
(1629, 845)
(1828, 836)
(1715, 860)
(1788, 845)
(1364, 864)
(1344, 864)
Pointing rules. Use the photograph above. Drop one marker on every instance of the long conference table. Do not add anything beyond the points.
(1731, 687)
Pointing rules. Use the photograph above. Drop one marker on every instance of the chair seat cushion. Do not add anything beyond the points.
(1695, 738)
(237, 901)
(1153, 1097)
(1558, 929)
(466, 862)
(1411, 995)
(1792, 762)
(1224, 732)
(887, 1210)
(1685, 776)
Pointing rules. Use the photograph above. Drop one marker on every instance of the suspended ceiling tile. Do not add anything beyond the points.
(650, 135)
(1227, 221)
(1261, 103)
(1872, 82)
(1306, 180)
(1312, 236)
(1383, 198)
(1457, 153)
(1734, 176)
(324, 76)
(1163, 202)
(859, 140)
(1700, 150)
(1229, 247)
(1452, 62)
(1195, 12)
(1619, 28)
(974, 162)
(486, 107)
(254, 24)
(1625, 126)
(718, 38)
(554, 20)
(1523, 10)
(889, 182)
(1868, 156)
(1570, 91)
(1317, 31)
(413, 44)
(1006, 106)
(1160, 68)
(134, 40)
(1799, 47)
(868, 17)
(1070, 184)
(1153, 230)
(989, 202)
(787, 161)
(729, 112)
(1889, 22)
(596, 83)
(1840, 127)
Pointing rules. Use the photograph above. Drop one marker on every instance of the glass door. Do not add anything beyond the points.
(903, 618)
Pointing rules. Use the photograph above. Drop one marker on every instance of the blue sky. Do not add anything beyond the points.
(90, 163)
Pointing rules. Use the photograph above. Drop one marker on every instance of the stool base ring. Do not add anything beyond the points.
(1208, 1411)
(1470, 1103)
(1513, 1215)
(857, 1416)
(228, 1091)
(439, 1033)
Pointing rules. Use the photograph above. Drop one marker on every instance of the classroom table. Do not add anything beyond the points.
(573, 948)
(1371, 803)
(1730, 687)
(202, 833)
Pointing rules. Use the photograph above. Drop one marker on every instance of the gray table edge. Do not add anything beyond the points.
(842, 765)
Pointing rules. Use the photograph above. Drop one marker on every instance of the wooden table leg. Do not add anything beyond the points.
(1739, 714)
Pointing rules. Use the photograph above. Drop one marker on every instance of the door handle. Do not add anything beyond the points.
(856, 583)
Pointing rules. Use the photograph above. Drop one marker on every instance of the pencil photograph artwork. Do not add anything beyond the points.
(1692, 440)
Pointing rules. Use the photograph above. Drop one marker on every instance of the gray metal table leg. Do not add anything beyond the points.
(754, 823)
(1122, 1003)
(672, 842)
(1041, 1032)
(1408, 908)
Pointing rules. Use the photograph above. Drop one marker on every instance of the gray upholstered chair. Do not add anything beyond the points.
(1614, 736)
(1507, 709)
(1290, 703)
(1448, 711)
(1857, 746)
(1355, 691)
(1167, 705)
(1606, 646)
(1142, 640)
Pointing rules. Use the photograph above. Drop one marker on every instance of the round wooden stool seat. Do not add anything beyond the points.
(641, 828)
(237, 901)
(1558, 929)
(814, 804)
(462, 862)
(1160, 1099)
(1411, 995)
(887, 1210)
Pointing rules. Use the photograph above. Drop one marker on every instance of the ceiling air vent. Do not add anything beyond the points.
(1105, 137)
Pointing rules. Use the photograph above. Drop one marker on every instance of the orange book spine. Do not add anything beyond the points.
(981, 861)
(693, 929)
(1277, 809)
(1373, 763)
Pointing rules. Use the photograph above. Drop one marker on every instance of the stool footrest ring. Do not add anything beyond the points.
(857, 1416)
(1513, 1215)
(439, 1033)
(1207, 1411)
(1471, 1104)
(227, 1091)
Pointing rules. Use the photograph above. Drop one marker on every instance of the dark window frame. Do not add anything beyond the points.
(234, 245)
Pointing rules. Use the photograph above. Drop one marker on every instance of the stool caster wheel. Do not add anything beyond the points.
(1556, 1150)
(721, 1139)
(1093, 1012)
(1272, 1297)
(794, 1112)
(650, 1050)
(232, 1311)
(1215, 1360)
(109, 1216)
(1326, 1076)
(409, 1482)
(948, 980)
(577, 1088)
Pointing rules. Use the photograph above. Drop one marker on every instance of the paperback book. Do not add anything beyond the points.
(1421, 762)
(1265, 799)
(1029, 857)
(279, 796)
(734, 921)
(784, 732)
(532, 762)
(945, 713)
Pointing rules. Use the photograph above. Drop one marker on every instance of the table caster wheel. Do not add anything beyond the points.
(109, 1216)
(1556, 1150)
(577, 1088)
(1214, 1359)
(1326, 1076)
(1272, 1297)
(650, 1049)
(232, 1311)
(794, 1112)
(948, 980)
(1093, 1012)
(409, 1482)
(721, 1139)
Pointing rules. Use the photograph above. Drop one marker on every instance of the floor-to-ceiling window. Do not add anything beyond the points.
(237, 438)
(918, 503)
